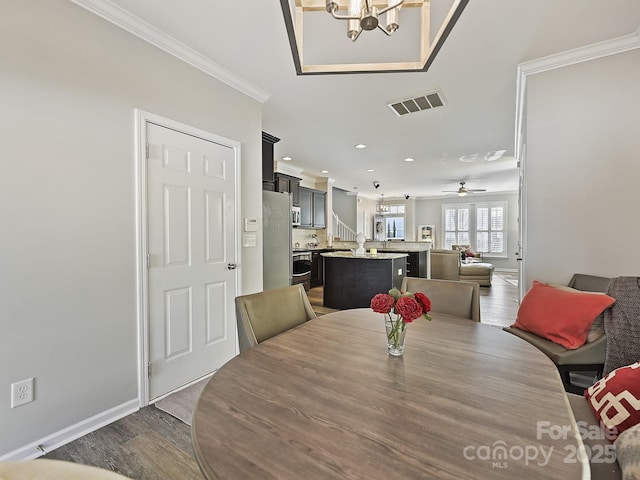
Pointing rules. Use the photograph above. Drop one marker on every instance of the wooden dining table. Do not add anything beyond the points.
(326, 401)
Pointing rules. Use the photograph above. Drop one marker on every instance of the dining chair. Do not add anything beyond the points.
(266, 314)
(451, 297)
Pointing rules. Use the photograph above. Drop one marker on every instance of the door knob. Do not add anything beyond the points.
(231, 266)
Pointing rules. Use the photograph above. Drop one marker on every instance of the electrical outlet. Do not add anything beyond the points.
(22, 392)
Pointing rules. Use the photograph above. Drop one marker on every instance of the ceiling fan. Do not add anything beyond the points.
(462, 191)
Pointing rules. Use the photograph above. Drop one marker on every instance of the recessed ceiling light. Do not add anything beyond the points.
(287, 158)
(494, 155)
(370, 170)
(409, 159)
(361, 145)
(469, 158)
(324, 171)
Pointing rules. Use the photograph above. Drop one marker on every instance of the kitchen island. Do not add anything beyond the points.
(350, 281)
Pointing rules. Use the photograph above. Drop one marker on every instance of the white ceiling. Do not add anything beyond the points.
(320, 118)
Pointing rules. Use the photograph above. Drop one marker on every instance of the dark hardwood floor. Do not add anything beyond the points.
(152, 445)
(147, 445)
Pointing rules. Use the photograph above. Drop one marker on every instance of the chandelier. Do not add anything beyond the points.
(363, 15)
(318, 48)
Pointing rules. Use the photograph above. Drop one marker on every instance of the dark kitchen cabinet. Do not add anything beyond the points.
(312, 209)
(288, 184)
(316, 269)
(268, 186)
(319, 217)
(416, 262)
(267, 157)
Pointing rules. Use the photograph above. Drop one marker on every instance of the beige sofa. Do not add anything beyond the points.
(447, 265)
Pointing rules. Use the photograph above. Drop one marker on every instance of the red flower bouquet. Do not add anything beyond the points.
(406, 307)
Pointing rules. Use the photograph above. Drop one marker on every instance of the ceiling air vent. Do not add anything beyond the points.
(417, 104)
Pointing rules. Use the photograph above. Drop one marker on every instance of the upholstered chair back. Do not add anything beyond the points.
(266, 314)
(445, 264)
(461, 299)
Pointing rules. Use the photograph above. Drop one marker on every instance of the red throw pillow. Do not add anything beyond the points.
(615, 400)
(560, 316)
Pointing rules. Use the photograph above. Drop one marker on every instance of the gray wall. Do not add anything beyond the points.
(583, 169)
(69, 83)
(429, 212)
(346, 207)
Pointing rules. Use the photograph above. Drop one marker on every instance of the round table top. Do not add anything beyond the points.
(325, 400)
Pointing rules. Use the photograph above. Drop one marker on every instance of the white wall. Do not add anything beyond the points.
(69, 83)
(429, 212)
(583, 169)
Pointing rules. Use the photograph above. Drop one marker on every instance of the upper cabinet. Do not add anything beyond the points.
(287, 184)
(276, 182)
(267, 157)
(312, 209)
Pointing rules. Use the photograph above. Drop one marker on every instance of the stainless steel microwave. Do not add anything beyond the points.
(295, 216)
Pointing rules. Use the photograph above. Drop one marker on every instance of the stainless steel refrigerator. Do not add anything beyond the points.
(276, 239)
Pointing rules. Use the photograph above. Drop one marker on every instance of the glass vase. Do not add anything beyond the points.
(396, 334)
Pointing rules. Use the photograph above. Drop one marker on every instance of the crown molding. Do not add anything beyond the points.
(287, 168)
(150, 34)
(581, 54)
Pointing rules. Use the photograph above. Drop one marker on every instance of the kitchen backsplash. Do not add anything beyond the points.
(304, 238)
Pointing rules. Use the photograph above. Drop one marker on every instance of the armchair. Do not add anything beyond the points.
(447, 265)
(588, 357)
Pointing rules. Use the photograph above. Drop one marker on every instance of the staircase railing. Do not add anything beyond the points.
(341, 231)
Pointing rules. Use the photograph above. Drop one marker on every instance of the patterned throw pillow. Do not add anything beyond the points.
(615, 399)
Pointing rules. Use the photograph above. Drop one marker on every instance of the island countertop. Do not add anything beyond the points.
(366, 256)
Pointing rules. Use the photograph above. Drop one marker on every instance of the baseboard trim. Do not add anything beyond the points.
(506, 270)
(66, 435)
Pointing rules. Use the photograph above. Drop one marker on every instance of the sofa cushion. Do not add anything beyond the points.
(615, 399)
(589, 354)
(471, 269)
(560, 316)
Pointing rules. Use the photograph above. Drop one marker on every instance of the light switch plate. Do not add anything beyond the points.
(249, 240)
(250, 225)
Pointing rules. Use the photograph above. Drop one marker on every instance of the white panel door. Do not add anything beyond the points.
(191, 244)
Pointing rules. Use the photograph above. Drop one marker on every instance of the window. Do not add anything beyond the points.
(482, 226)
(393, 220)
(456, 225)
(490, 229)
